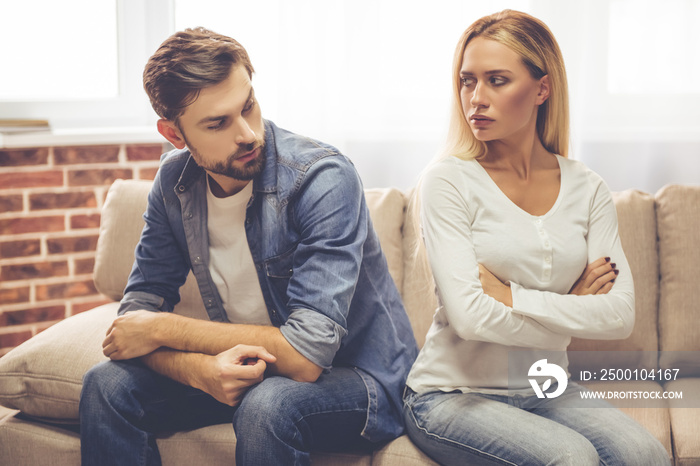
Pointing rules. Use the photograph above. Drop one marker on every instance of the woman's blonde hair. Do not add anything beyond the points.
(534, 42)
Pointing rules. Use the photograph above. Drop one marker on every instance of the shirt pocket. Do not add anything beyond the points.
(278, 270)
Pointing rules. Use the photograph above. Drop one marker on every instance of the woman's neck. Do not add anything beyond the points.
(521, 157)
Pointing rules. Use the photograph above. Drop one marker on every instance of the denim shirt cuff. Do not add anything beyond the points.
(314, 335)
(138, 300)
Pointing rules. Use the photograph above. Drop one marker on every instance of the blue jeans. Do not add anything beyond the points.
(124, 405)
(470, 428)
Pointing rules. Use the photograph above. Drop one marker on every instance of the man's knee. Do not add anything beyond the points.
(274, 399)
(110, 382)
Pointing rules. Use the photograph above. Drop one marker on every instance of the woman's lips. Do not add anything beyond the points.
(480, 120)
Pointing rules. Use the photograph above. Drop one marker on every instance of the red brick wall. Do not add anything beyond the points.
(50, 201)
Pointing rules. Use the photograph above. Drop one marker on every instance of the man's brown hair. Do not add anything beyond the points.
(187, 62)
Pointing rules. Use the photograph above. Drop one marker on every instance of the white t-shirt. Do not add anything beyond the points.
(230, 262)
(467, 220)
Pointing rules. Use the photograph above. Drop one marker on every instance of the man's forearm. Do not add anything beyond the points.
(211, 338)
(184, 367)
(226, 376)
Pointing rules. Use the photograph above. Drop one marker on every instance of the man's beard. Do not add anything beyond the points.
(247, 172)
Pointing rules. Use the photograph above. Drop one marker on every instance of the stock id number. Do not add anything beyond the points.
(661, 375)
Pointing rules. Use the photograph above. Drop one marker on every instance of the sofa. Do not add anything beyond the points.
(40, 380)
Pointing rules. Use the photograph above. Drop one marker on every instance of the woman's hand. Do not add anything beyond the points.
(494, 287)
(598, 278)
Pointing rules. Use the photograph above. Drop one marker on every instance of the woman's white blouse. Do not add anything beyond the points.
(467, 220)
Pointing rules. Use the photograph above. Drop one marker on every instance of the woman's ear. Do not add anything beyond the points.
(171, 132)
(545, 89)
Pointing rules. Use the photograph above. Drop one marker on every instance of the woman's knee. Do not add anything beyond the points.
(635, 448)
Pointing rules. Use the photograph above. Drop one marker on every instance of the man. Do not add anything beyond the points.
(308, 345)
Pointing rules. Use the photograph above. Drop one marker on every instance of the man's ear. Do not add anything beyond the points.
(171, 132)
(545, 89)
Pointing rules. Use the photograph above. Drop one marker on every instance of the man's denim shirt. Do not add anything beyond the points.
(322, 272)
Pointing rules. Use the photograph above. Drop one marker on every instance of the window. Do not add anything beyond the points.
(78, 63)
(79, 56)
(654, 47)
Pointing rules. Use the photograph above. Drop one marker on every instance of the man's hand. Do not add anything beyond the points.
(597, 278)
(228, 375)
(494, 287)
(131, 335)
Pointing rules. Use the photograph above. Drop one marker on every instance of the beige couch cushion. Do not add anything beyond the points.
(637, 228)
(402, 451)
(386, 208)
(44, 375)
(684, 420)
(120, 228)
(678, 217)
(419, 295)
(30, 443)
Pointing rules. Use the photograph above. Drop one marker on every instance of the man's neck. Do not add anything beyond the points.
(224, 186)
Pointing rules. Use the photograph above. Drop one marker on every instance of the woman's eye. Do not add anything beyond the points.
(498, 80)
(467, 81)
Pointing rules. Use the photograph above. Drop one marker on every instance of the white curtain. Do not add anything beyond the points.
(373, 77)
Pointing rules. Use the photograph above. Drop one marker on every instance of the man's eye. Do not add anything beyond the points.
(249, 106)
(218, 125)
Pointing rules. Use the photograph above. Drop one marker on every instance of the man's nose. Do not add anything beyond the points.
(244, 133)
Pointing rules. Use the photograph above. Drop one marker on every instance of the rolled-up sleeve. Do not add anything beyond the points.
(314, 335)
(332, 219)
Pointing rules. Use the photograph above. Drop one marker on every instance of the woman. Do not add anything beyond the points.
(524, 250)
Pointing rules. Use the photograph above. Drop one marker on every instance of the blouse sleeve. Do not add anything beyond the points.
(607, 316)
(474, 315)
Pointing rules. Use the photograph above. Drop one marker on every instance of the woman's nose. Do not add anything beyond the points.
(478, 98)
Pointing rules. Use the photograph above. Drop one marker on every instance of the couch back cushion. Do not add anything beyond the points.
(637, 229)
(419, 295)
(386, 208)
(678, 218)
(122, 222)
